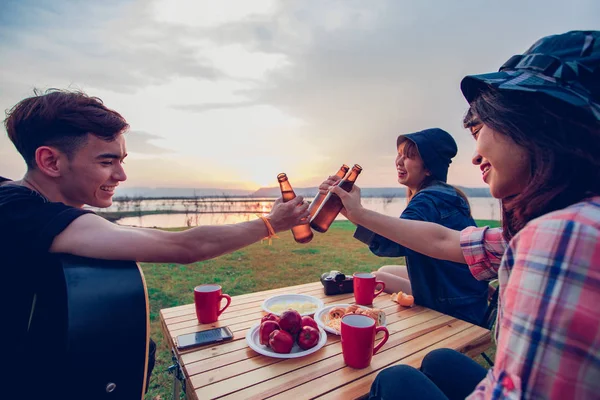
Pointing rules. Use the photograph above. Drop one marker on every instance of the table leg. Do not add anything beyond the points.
(176, 387)
(178, 376)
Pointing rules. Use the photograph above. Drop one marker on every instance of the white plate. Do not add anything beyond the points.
(290, 299)
(253, 340)
(322, 315)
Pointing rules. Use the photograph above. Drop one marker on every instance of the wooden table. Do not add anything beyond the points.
(232, 370)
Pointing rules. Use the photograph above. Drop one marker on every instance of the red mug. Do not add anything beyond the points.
(207, 299)
(358, 340)
(364, 288)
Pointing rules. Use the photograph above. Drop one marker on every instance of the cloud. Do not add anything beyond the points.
(12, 165)
(213, 106)
(139, 142)
(111, 45)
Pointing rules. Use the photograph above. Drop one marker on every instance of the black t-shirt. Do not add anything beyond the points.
(28, 225)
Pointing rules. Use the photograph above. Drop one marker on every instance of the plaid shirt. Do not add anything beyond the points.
(548, 327)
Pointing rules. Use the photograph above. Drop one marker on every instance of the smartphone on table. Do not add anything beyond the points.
(202, 338)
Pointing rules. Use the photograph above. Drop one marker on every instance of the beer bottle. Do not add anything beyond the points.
(302, 233)
(332, 205)
(314, 205)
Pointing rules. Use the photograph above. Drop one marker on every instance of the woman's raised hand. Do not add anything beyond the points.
(351, 200)
(327, 183)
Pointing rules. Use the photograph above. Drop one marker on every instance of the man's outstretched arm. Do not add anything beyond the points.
(93, 236)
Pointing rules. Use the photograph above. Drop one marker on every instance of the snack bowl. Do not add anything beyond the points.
(303, 303)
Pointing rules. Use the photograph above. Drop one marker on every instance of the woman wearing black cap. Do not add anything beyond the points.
(422, 165)
(537, 127)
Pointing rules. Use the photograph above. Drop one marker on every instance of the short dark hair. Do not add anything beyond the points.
(60, 118)
(564, 145)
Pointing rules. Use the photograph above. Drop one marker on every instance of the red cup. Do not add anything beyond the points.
(208, 300)
(358, 340)
(364, 288)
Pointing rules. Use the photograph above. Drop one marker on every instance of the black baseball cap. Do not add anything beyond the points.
(436, 147)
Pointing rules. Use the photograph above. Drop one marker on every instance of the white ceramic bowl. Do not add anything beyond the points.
(253, 340)
(289, 299)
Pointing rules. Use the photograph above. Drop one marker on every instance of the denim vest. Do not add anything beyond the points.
(445, 286)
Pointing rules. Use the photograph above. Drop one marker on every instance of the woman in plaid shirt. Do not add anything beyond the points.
(537, 127)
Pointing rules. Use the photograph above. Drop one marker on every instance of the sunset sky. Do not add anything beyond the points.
(228, 94)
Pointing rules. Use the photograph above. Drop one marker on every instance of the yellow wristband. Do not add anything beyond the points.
(270, 230)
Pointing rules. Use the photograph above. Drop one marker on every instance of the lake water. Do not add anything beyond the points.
(219, 211)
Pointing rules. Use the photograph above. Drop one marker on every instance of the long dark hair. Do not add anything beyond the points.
(411, 151)
(564, 145)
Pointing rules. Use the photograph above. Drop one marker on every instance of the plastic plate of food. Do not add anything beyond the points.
(303, 303)
(330, 318)
(253, 340)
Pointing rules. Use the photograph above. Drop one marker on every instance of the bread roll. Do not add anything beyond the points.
(336, 312)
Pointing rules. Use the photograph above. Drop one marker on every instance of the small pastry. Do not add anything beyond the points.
(336, 312)
(379, 316)
(352, 308)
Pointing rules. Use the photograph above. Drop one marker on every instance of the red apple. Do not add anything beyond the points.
(309, 321)
(281, 341)
(265, 331)
(270, 317)
(308, 337)
(290, 321)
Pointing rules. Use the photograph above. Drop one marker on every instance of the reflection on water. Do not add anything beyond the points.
(194, 205)
(230, 211)
(179, 220)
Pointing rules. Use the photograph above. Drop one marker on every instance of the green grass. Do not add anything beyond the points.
(488, 222)
(255, 268)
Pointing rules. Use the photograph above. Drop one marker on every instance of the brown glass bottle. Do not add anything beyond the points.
(302, 233)
(332, 205)
(314, 205)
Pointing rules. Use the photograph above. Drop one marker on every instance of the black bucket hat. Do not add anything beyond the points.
(436, 147)
(566, 67)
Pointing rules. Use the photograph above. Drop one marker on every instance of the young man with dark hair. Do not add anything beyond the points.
(74, 147)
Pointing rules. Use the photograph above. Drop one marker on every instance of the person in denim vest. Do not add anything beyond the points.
(448, 287)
